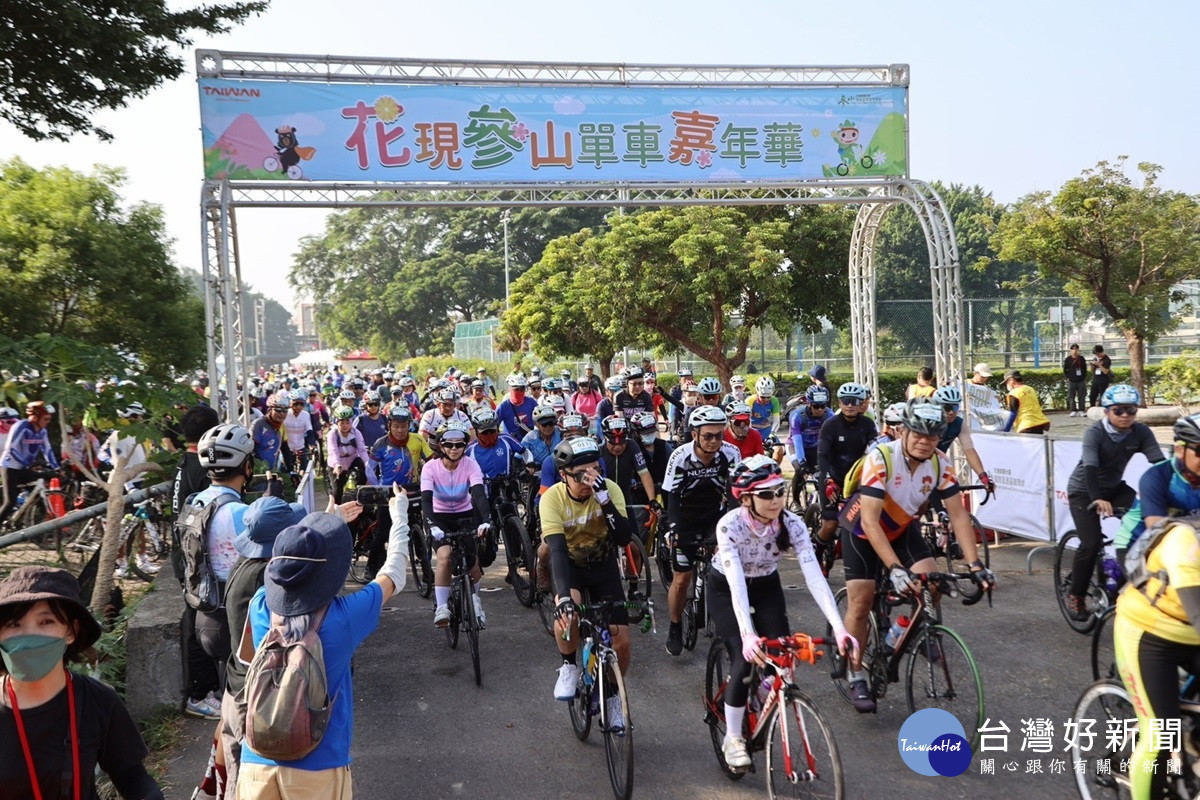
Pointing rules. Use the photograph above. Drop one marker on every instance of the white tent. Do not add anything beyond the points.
(316, 358)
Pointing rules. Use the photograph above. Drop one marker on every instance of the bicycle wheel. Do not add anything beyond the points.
(471, 623)
(691, 625)
(635, 571)
(418, 559)
(451, 628)
(618, 740)
(362, 549)
(941, 673)
(1103, 701)
(802, 755)
(545, 608)
(79, 550)
(522, 563)
(1094, 599)
(581, 707)
(1104, 658)
(716, 676)
(662, 557)
(871, 653)
(130, 534)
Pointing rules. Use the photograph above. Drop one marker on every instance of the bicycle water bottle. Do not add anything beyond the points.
(896, 632)
(764, 691)
(1112, 575)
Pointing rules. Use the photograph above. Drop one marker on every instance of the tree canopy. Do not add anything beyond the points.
(62, 62)
(75, 262)
(1120, 247)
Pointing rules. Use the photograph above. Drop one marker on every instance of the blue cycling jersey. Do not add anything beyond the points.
(496, 460)
(267, 441)
(371, 429)
(537, 445)
(25, 444)
(393, 462)
(805, 429)
(1163, 491)
(761, 411)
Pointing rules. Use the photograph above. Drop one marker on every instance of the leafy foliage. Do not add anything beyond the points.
(62, 62)
(1179, 380)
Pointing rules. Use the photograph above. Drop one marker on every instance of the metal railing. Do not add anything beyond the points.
(42, 528)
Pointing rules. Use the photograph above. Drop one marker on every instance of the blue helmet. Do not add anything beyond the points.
(817, 394)
(1120, 394)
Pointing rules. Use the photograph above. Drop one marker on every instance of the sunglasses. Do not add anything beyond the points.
(817, 406)
(951, 408)
(847, 401)
(578, 477)
(713, 397)
(1123, 411)
(740, 423)
(372, 405)
(453, 445)
(711, 437)
(637, 383)
(545, 423)
(771, 494)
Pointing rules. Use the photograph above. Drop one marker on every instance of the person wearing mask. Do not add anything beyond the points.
(1102, 374)
(737, 392)
(740, 433)
(606, 408)
(57, 727)
(515, 412)
(28, 443)
(1075, 370)
(842, 441)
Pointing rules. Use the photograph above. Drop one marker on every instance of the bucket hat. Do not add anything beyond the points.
(309, 564)
(264, 519)
(31, 584)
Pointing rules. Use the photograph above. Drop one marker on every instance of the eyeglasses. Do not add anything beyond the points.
(546, 423)
(453, 445)
(578, 477)
(740, 423)
(489, 432)
(770, 494)
(1123, 411)
(925, 437)
(710, 437)
(712, 397)
(372, 405)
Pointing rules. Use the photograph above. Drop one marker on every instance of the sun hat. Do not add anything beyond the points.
(983, 369)
(817, 373)
(264, 519)
(309, 564)
(31, 584)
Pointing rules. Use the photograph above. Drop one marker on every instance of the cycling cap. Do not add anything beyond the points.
(399, 413)
(923, 416)
(853, 391)
(709, 386)
(1120, 394)
(764, 386)
(756, 472)
(572, 422)
(517, 382)
(1187, 429)
(948, 396)
(894, 414)
(644, 421)
(455, 429)
(573, 453)
(739, 409)
(817, 394)
(343, 412)
(224, 446)
(544, 412)
(707, 415)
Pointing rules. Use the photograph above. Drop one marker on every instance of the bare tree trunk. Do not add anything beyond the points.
(111, 546)
(1008, 333)
(605, 365)
(1137, 362)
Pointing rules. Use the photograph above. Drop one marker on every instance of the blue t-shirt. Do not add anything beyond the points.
(509, 413)
(537, 446)
(496, 460)
(371, 429)
(350, 620)
(267, 441)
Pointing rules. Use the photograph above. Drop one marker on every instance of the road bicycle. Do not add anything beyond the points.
(1103, 651)
(461, 605)
(807, 499)
(1103, 584)
(504, 493)
(1107, 702)
(939, 535)
(34, 505)
(801, 753)
(632, 559)
(141, 533)
(939, 672)
(420, 561)
(695, 607)
(600, 679)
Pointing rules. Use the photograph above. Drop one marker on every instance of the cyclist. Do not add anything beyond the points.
(843, 440)
(489, 385)
(950, 399)
(545, 436)
(897, 482)
(492, 450)
(1170, 488)
(267, 432)
(346, 399)
(452, 494)
(737, 392)
(740, 433)
(764, 408)
(372, 424)
(346, 452)
(396, 458)
(445, 411)
(572, 426)
(804, 425)
(624, 461)
(893, 416)
(587, 395)
(696, 485)
(516, 411)
(408, 385)
(299, 434)
(747, 601)
(657, 452)
(607, 407)
(535, 387)
(316, 407)
(479, 398)
(1096, 487)
(583, 524)
(28, 443)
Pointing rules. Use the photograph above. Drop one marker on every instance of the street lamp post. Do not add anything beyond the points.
(507, 298)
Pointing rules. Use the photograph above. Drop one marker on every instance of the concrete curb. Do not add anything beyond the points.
(153, 669)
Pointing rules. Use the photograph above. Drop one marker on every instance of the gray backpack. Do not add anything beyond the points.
(1136, 570)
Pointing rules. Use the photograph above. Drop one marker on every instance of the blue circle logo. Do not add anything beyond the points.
(932, 742)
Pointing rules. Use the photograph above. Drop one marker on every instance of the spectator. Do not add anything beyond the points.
(1075, 370)
(923, 387)
(43, 624)
(1024, 404)
(1101, 374)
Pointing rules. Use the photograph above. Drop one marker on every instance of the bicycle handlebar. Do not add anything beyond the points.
(943, 581)
(976, 486)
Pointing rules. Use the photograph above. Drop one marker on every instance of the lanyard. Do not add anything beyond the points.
(33, 779)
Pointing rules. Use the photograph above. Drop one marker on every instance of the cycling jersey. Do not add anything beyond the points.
(626, 469)
(538, 447)
(433, 419)
(516, 418)
(1106, 453)
(586, 402)
(25, 443)
(953, 429)
(267, 441)
(904, 492)
(604, 410)
(697, 492)
(629, 405)
(749, 445)
(581, 523)
(1178, 555)
(496, 460)
(1163, 491)
(451, 488)
(748, 547)
(393, 462)
(371, 429)
(342, 451)
(805, 429)
(82, 447)
(762, 412)
(841, 443)
(298, 430)
(474, 405)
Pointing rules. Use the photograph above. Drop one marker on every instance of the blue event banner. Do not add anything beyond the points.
(272, 130)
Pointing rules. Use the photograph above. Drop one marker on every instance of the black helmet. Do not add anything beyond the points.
(575, 452)
(1187, 430)
(923, 416)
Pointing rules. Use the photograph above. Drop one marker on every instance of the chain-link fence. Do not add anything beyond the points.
(477, 340)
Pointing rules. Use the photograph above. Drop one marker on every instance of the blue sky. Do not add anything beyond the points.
(1016, 97)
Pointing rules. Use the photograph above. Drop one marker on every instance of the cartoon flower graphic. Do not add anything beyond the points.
(387, 109)
(816, 133)
(880, 157)
(704, 159)
(520, 132)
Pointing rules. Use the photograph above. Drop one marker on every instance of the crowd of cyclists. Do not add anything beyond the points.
(708, 460)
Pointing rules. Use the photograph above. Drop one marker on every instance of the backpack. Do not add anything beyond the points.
(287, 693)
(1136, 570)
(201, 588)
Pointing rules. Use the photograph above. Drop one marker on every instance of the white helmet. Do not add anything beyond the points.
(737, 380)
(894, 414)
(225, 446)
(707, 415)
(764, 387)
(709, 385)
(516, 381)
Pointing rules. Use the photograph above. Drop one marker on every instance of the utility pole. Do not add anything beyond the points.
(507, 298)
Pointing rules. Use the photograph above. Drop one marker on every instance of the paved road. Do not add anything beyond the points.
(423, 730)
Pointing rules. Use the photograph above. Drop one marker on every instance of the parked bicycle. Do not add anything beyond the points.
(600, 680)
(940, 671)
(801, 753)
(35, 504)
(1102, 586)
(142, 536)
(462, 609)
(939, 535)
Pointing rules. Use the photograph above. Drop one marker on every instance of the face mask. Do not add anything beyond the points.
(31, 657)
(648, 439)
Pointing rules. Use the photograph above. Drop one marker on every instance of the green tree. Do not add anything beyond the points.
(62, 62)
(1120, 247)
(75, 262)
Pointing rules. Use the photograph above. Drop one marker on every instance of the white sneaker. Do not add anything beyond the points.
(145, 566)
(736, 755)
(616, 720)
(441, 616)
(122, 569)
(482, 617)
(568, 679)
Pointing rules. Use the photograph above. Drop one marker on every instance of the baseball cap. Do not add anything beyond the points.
(983, 369)
(1013, 373)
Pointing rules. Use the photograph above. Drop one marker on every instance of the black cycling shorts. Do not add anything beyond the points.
(601, 582)
(451, 523)
(862, 563)
(688, 539)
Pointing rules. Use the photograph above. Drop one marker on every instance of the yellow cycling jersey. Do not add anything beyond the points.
(1178, 553)
(583, 524)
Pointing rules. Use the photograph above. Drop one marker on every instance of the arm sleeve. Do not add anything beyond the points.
(619, 527)
(731, 566)
(479, 503)
(678, 405)
(560, 564)
(814, 579)
(427, 504)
